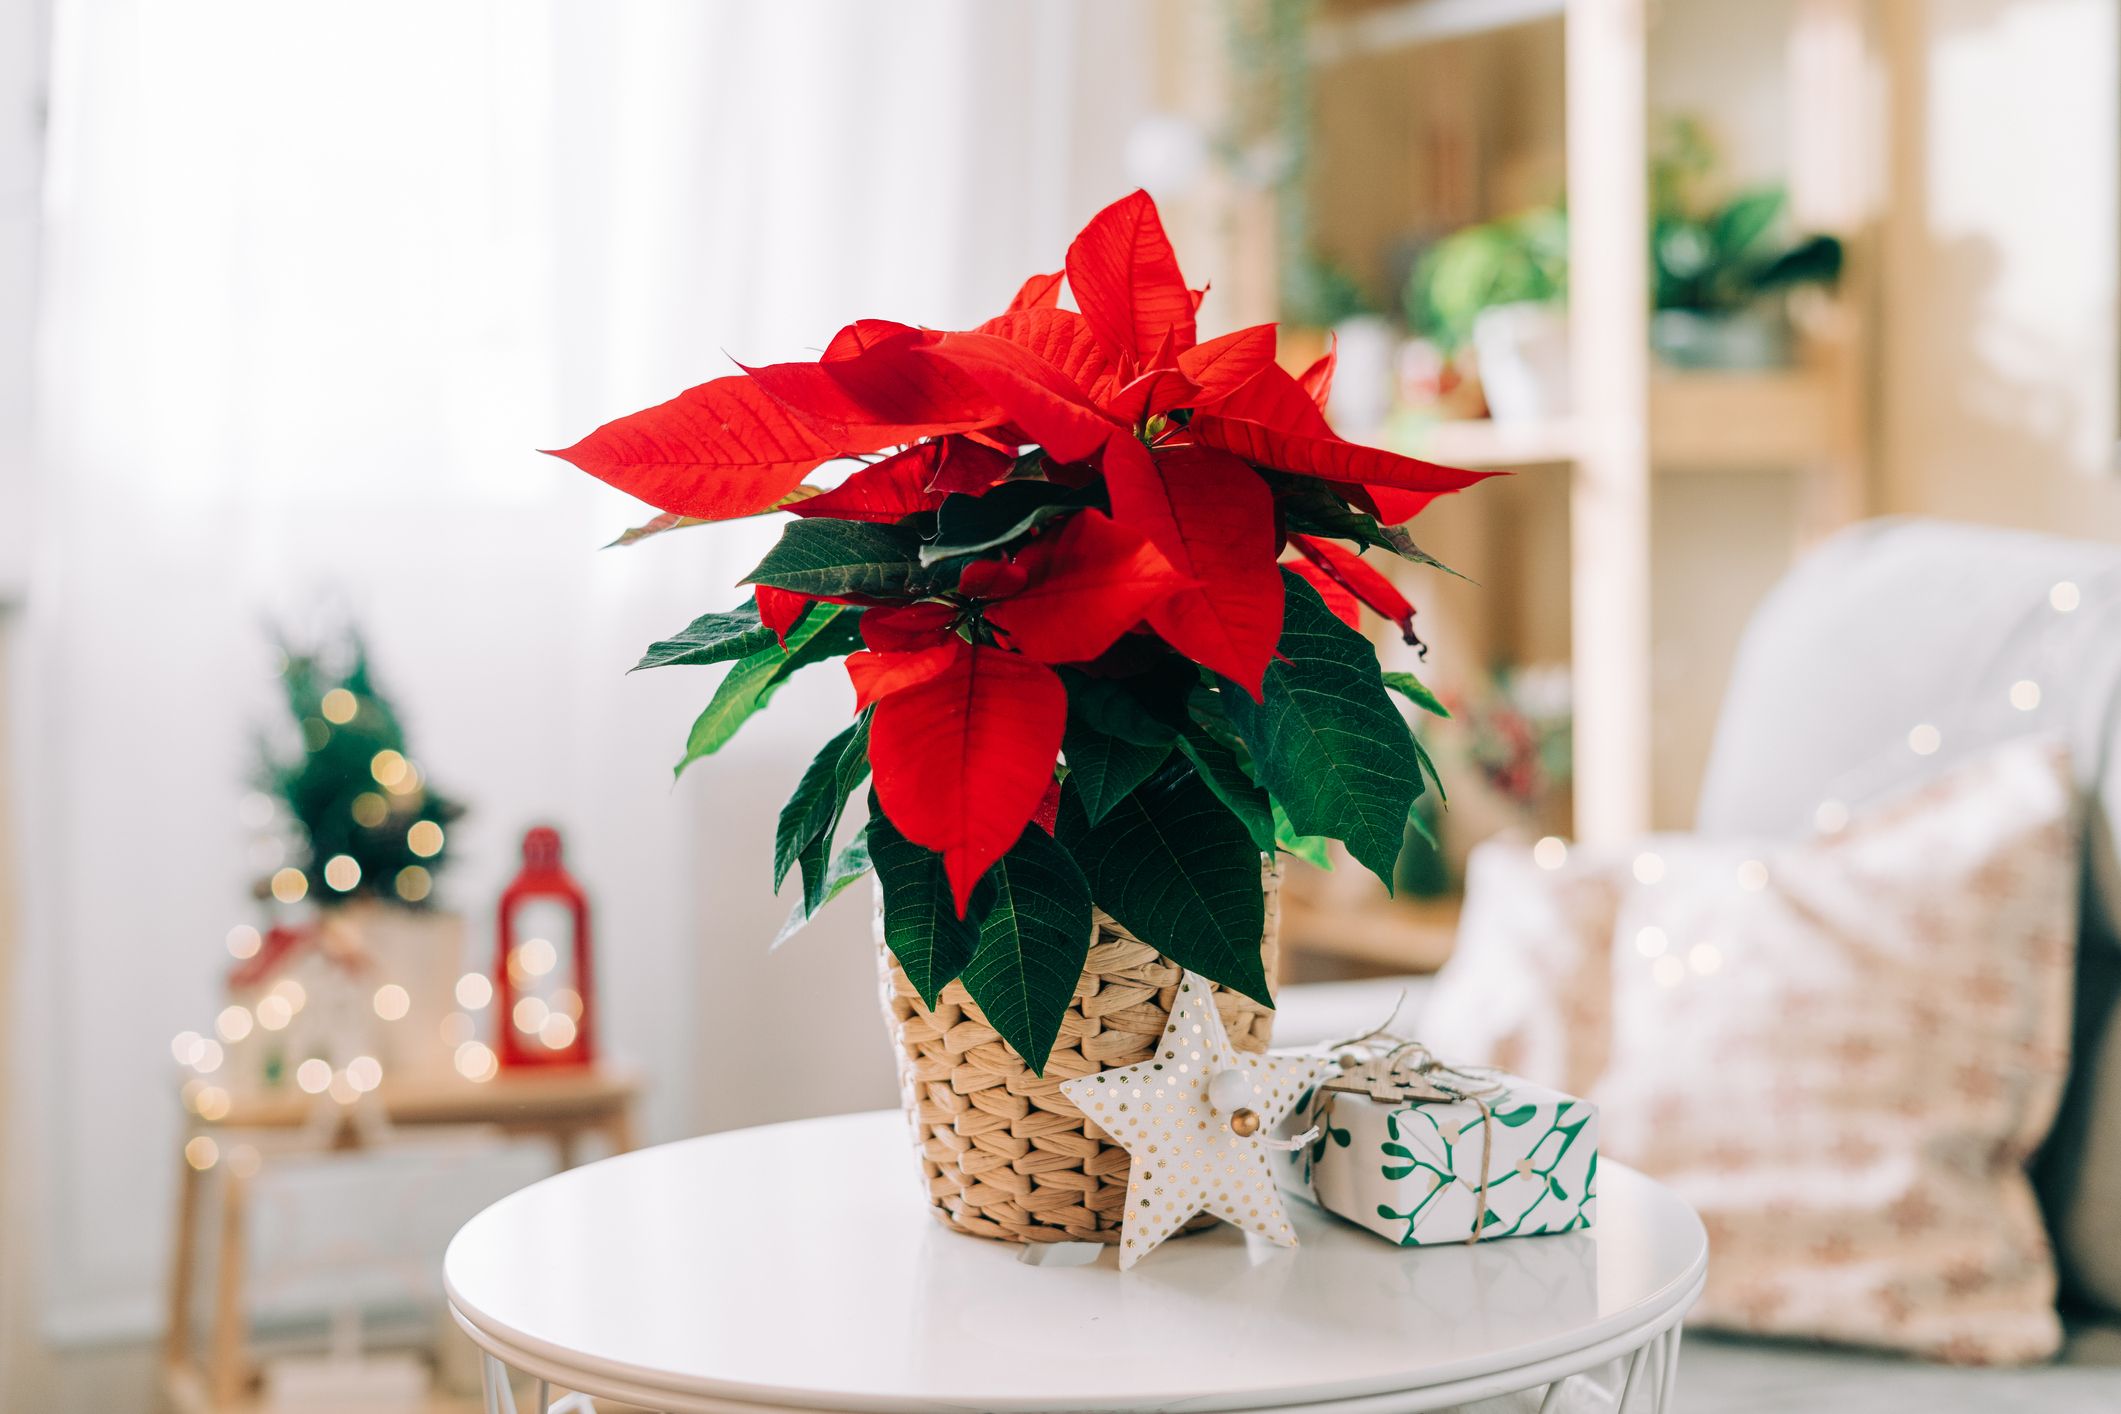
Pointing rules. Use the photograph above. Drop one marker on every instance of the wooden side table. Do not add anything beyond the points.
(562, 1105)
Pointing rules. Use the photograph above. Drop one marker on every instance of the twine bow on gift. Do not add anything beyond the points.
(1409, 1073)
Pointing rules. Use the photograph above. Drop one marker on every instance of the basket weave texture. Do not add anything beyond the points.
(1004, 1153)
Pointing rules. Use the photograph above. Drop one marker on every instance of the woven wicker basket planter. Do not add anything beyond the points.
(1004, 1153)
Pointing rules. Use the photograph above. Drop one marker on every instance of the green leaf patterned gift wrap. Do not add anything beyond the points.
(1410, 1169)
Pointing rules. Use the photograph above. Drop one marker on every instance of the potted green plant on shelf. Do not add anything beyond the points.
(1499, 287)
(1716, 267)
(1091, 705)
(1716, 270)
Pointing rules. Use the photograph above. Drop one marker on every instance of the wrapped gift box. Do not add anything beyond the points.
(1405, 1160)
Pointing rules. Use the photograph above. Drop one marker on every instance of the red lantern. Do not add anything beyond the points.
(542, 976)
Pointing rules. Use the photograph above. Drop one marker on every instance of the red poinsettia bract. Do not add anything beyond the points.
(1177, 472)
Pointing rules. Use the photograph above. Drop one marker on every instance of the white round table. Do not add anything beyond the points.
(797, 1266)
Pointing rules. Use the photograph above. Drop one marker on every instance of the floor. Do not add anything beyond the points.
(1717, 1377)
(126, 1379)
(1727, 1376)
(118, 1378)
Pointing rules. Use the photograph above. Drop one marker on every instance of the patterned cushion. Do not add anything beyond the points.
(1527, 987)
(1978, 634)
(1842, 1051)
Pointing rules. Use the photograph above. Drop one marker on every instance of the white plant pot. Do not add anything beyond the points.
(1749, 341)
(1523, 353)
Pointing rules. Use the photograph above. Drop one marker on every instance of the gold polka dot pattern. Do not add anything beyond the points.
(1187, 1159)
(1005, 1153)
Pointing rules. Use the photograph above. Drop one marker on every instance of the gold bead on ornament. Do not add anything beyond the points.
(1244, 1123)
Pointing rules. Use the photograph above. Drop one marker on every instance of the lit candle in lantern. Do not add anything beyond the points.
(542, 978)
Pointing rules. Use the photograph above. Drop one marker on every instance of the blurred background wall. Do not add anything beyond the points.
(1991, 181)
(2000, 253)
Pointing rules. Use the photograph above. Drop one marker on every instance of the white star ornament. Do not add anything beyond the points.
(1195, 1119)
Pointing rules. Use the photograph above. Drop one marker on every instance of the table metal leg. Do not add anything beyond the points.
(1627, 1386)
(1670, 1382)
(1652, 1375)
(500, 1394)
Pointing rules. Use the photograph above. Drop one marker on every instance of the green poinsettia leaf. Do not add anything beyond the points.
(1033, 940)
(1417, 692)
(826, 632)
(836, 557)
(812, 814)
(1419, 824)
(1104, 768)
(1205, 706)
(1312, 849)
(1326, 741)
(814, 861)
(1180, 872)
(1310, 506)
(1428, 770)
(921, 926)
(710, 638)
(968, 525)
(847, 866)
(1232, 783)
(1147, 710)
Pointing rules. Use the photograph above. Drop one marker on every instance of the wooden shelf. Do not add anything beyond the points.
(1380, 29)
(539, 1097)
(1719, 421)
(1410, 936)
(1484, 445)
(1699, 421)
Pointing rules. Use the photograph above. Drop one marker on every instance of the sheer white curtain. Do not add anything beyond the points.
(319, 278)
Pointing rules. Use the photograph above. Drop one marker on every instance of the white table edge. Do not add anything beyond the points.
(1562, 1355)
(613, 1382)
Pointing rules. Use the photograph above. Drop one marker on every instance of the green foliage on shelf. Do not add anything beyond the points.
(1518, 259)
(1708, 254)
(1716, 256)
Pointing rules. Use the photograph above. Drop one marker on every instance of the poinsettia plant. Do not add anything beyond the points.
(1095, 582)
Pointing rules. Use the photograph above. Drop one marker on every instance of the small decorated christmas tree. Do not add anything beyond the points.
(365, 822)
